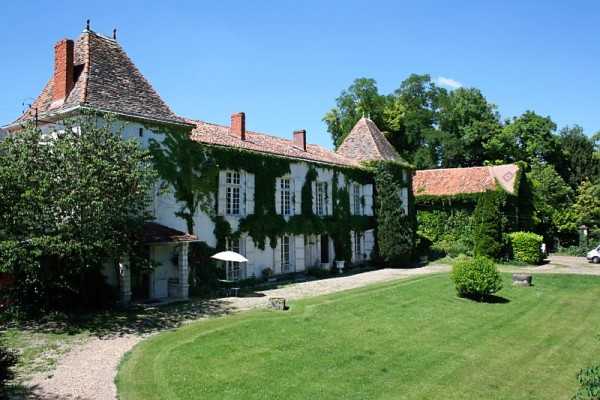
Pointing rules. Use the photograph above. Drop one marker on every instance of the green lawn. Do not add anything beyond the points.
(404, 340)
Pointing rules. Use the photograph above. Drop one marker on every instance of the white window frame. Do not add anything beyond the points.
(321, 197)
(233, 190)
(356, 200)
(358, 236)
(234, 271)
(285, 196)
(286, 255)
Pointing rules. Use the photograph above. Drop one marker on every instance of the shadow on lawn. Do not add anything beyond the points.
(137, 319)
(21, 392)
(490, 299)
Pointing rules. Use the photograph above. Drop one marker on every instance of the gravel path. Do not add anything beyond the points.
(560, 265)
(88, 370)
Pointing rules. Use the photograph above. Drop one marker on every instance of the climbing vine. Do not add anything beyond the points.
(395, 228)
(191, 168)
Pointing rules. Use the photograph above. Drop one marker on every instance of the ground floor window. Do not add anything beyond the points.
(233, 270)
(286, 265)
(358, 246)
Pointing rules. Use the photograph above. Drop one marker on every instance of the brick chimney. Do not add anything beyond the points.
(238, 125)
(63, 69)
(300, 139)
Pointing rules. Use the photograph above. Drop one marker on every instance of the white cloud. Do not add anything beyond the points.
(442, 81)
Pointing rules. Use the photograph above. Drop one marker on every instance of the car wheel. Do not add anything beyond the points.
(596, 260)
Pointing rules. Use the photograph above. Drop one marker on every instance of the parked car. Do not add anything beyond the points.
(594, 255)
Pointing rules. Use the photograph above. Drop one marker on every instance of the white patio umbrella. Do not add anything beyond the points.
(229, 256)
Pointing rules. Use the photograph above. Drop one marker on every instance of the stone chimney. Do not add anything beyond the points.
(238, 125)
(63, 69)
(300, 139)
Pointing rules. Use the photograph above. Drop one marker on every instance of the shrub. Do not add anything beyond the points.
(589, 384)
(8, 359)
(526, 247)
(488, 225)
(318, 272)
(476, 277)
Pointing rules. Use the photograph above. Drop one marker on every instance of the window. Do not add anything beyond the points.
(285, 254)
(356, 200)
(233, 270)
(232, 194)
(284, 189)
(358, 245)
(321, 198)
(141, 132)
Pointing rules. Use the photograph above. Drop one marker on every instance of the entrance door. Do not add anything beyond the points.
(324, 249)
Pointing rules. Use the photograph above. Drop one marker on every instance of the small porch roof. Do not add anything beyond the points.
(155, 233)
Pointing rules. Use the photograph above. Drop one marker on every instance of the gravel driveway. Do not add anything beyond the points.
(88, 370)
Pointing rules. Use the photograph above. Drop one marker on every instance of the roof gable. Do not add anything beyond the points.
(106, 80)
(365, 142)
(454, 181)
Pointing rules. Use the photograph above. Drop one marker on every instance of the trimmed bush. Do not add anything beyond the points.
(476, 278)
(526, 247)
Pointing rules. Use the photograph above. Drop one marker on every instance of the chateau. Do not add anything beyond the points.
(285, 204)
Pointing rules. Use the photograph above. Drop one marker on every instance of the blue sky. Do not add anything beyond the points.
(285, 62)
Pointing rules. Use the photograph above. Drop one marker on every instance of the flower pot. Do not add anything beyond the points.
(340, 266)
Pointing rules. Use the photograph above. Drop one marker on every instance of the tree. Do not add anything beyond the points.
(395, 229)
(529, 137)
(551, 198)
(362, 98)
(411, 116)
(467, 121)
(587, 204)
(577, 161)
(70, 200)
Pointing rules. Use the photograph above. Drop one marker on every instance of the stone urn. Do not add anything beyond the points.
(520, 279)
(340, 266)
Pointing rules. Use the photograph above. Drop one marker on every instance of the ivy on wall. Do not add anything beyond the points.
(395, 228)
(191, 168)
(448, 221)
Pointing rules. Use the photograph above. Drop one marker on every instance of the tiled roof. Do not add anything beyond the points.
(107, 80)
(219, 135)
(365, 142)
(453, 181)
(157, 233)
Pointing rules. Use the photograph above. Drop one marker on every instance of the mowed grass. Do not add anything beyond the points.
(411, 339)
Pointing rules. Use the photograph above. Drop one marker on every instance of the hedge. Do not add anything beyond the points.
(527, 247)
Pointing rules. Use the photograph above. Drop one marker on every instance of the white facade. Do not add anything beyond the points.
(292, 253)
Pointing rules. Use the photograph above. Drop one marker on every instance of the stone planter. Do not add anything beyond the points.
(340, 266)
(521, 279)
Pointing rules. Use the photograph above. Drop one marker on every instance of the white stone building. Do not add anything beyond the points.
(95, 73)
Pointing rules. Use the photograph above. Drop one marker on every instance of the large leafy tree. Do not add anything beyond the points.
(587, 204)
(552, 198)
(467, 121)
(577, 162)
(362, 98)
(411, 117)
(529, 137)
(70, 200)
